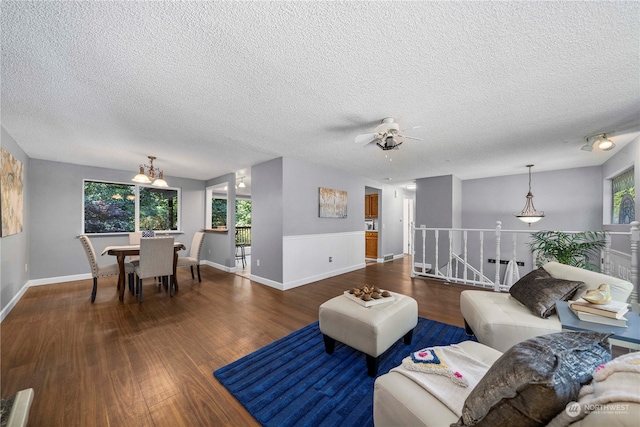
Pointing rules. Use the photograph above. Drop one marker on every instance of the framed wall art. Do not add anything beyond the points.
(11, 189)
(333, 203)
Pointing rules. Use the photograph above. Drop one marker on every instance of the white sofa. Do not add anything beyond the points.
(399, 401)
(500, 321)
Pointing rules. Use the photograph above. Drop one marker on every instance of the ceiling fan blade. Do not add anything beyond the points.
(415, 127)
(366, 138)
(410, 137)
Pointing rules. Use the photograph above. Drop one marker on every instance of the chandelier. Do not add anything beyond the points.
(529, 213)
(142, 177)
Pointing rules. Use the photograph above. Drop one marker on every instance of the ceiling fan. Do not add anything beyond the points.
(387, 135)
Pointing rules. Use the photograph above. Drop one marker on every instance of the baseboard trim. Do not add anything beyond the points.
(305, 281)
(267, 282)
(59, 279)
(5, 311)
(220, 266)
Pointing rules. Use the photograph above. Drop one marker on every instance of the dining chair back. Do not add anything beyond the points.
(98, 270)
(134, 239)
(194, 254)
(156, 260)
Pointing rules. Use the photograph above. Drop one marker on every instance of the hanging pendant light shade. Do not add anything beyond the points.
(142, 178)
(529, 214)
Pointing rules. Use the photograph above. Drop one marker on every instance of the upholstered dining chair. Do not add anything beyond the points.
(194, 254)
(102, 270)
(156, 260)
(134, 239)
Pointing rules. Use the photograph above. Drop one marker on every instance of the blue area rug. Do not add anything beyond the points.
(294, 382)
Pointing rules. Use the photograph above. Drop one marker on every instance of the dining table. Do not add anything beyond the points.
(121, 252)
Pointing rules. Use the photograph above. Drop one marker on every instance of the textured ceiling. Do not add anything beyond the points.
(211, 88)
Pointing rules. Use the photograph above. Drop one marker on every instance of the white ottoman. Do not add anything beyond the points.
(371, 330)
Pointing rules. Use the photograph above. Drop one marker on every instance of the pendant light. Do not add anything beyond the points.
(142, 178)
(529, 214)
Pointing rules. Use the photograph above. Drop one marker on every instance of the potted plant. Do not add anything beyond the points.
(576, 249)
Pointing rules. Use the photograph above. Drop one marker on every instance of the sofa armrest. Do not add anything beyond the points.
(620, 288)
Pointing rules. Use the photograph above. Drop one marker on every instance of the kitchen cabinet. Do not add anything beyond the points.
(371, 244)
(371, 206)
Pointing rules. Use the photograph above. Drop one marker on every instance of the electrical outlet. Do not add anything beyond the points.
(330, 259)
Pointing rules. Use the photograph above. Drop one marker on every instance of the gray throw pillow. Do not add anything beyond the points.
(535, 380)
(539, 292)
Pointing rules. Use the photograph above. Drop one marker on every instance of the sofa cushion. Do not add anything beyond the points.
(539, 291)
(535, 380)
(620, 288)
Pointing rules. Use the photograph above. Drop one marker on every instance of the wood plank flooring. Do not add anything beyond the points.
(151, 364)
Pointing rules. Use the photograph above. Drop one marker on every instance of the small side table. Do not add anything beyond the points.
(628, 337)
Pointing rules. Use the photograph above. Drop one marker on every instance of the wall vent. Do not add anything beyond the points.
(388, 257)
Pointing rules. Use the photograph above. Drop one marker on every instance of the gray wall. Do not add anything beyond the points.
(56, 199)
(219, 248)
(301, 181)
(14, 249)
(267, 226)
(571, 200)
(437, 206)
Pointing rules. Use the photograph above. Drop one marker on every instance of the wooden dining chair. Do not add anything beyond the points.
(194, 255)
(102, 270)
(156, 260)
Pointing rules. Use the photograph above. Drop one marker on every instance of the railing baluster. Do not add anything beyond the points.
(437, 237)
(635, 238)
(496, 283)
(466, 256)
(482, 255)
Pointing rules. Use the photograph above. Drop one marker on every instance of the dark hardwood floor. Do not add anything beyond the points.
(151, 364)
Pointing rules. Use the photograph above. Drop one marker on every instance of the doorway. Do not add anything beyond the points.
(407, 218)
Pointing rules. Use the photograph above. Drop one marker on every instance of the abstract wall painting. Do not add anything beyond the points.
(11, 193)
(333, 203)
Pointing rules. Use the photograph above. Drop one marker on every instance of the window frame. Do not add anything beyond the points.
(607, 197)
(136, 208)
(631, 171)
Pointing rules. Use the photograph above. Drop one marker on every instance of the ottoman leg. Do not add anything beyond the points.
(467, 328)
(408, 337)
(372, 365)
(329, 344)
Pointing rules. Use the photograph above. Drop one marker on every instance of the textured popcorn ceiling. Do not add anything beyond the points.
(213, 88)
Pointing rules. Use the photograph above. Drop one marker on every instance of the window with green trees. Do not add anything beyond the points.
(624, 196)
(219, 212)
(112, 208)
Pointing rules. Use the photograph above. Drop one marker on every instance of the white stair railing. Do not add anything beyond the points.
(469, 259)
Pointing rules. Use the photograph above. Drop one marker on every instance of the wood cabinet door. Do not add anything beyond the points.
(371, 245)
(373, 208)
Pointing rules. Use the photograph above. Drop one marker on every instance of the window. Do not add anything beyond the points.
(114, 208)
(219, 212)
(624, 196)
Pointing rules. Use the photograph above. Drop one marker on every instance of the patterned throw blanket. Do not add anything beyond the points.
(448, 373)
(614, 384)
